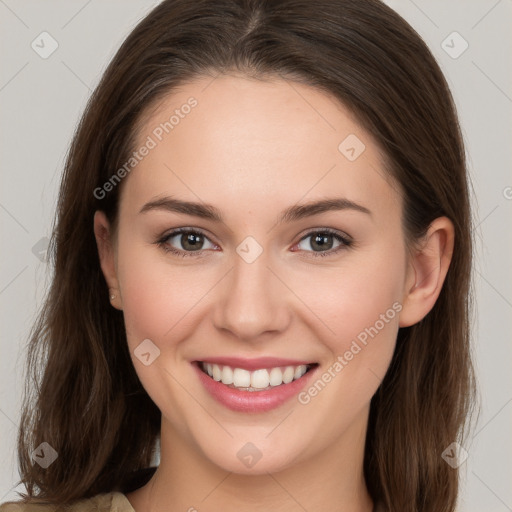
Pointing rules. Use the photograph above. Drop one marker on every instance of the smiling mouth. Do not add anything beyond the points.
(263, 379)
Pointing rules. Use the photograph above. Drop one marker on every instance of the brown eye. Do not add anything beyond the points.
(183, 241)
(322, 242)
(191, 241)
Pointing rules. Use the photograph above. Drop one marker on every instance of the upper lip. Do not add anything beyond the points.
(254, 364)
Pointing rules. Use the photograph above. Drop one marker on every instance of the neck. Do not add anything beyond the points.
(331, 481)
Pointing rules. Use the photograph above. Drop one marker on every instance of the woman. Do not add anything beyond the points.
(262, 263)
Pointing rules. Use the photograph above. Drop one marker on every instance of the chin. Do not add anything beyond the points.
(245, 458)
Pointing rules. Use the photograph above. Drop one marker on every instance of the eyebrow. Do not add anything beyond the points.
(293, 213)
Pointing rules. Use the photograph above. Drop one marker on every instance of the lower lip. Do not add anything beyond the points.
(252, 401)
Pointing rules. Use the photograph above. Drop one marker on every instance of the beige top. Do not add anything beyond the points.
(107, 502)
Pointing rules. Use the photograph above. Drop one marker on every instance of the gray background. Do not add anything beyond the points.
(41, 101)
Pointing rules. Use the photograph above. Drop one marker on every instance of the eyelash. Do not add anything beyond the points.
(162, 242)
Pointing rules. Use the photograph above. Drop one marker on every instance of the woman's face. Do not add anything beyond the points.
(258, 283)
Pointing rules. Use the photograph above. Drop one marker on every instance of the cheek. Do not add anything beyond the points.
(366, 301)
(158, 304)
(361, 311)
(156, 297)
(357, 305)
(371, 318)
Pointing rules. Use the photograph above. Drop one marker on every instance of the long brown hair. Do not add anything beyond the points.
(83, 396)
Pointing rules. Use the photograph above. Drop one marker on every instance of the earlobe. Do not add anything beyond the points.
(427, 271)
(106, 254)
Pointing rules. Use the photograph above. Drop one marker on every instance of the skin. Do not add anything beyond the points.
(253, 148)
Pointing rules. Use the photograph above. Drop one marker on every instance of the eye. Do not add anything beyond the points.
(322, 242)
(185, 242)
(191, 242)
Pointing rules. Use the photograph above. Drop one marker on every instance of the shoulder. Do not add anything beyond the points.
(106, 502)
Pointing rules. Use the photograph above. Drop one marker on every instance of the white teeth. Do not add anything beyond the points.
(260, 379)
(227, 375)
(288, 374)
(217, 374)
(256, 380)
(299, 371)
(241, 378)
(276, 377)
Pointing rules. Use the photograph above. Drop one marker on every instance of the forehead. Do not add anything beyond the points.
(234, 140)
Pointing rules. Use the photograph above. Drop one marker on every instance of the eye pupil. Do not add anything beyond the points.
(321, 241)
(191, 241)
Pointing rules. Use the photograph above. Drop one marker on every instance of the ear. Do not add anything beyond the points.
(427, 270)
(107, 256)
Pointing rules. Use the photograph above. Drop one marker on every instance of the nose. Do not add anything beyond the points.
(253, 302)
